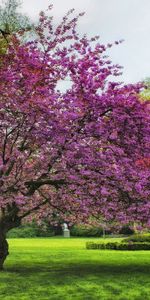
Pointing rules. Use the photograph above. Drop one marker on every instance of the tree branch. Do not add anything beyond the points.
(33, 209)
(34, 185)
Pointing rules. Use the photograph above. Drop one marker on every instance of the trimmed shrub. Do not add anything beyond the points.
(91, 245)
(118, 246)
(134, 246)
(138, 238)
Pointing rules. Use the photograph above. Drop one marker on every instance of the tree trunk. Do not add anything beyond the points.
(3, 249)
(8, 220)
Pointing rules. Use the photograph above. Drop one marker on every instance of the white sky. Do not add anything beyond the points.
(112, 20)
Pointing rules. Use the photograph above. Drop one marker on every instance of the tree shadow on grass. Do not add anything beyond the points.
(82, 268)
(79, 280)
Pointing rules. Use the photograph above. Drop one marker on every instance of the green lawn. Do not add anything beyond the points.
(45, 269)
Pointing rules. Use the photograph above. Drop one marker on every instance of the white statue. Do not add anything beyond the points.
(65, 226)
(66, 231)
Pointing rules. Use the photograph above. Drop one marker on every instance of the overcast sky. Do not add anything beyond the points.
(112, 20)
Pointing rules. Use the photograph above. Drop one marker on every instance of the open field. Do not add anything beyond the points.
(58, 268)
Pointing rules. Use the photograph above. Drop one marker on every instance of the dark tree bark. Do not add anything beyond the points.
(3, 248)
(8, 220)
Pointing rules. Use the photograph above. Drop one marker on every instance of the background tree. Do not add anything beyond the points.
(145, 94)
(11, 21)
(75, 154)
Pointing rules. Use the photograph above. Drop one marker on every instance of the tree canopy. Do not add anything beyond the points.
(75, 154)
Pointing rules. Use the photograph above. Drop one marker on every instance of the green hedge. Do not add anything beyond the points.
(138, 238)
(91, 245)
(118, 246)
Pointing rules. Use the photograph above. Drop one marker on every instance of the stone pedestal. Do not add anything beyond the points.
(66, 233)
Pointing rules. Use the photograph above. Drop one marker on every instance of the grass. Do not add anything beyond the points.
(62, 269)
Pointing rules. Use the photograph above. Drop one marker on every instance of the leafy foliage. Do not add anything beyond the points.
(30, 230)
(22, 232)
(10, 19)
(126, 230)
(145, 94)
(85, 231)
